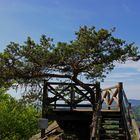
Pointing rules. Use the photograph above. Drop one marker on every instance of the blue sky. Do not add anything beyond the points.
(59, 19)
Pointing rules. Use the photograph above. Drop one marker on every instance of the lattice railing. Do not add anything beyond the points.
(70, 95)
(110, 98)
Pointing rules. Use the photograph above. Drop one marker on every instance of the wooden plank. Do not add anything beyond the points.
(114, 95)
(67, 105)
(44, 105)
(106, 101)
(111, 110)
(113, 87)
(80, 109)
(116, 100)
(58, 94)
(84, 109)
(57, 83)
(105, 94)
(82, 94)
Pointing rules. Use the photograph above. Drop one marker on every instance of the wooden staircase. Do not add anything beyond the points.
(104, 115)
(112, 126)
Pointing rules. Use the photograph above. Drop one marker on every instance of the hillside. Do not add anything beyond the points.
(134, 102)
(136, 109)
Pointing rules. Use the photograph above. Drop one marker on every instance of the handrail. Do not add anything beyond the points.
(113, 87)
(116, 94)
(126, 115)
(130, 122)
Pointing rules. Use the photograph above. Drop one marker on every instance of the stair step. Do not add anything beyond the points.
(113, 139)
(111, 123)
(112, 132)
(112, 136)
(112, 129)
(112, 114)
(111, 119)
(116, 138)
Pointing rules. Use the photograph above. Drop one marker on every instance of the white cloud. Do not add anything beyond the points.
(123, 75)
(129, 74)
(130, 64)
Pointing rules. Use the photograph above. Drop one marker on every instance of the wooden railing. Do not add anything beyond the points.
(69, 95)
(115, 98)
(110, 98)
(128, 116)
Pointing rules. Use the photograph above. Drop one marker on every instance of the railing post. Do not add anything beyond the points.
(72, 98)
(108, 97)
(98, 92)
(44, 106)
(55, 104)
(129, 114)
(99, 106)
(120, 89)
(96, 115)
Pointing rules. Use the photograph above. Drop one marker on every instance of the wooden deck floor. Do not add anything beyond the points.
(86, 110)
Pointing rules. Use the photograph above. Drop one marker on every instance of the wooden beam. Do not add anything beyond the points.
(82, 94)
(66, 105)
(58, 94)
(63, 83)
(113, 87)
(120, 91)
(44, 106)
(114, 95)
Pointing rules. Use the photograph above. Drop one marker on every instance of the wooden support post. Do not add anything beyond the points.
(98, 92)
(108, 100)
(120, 89)
(129, 114)
(72, 97)
(44, 106)
(93, 100)
(95, 120)
(99, 106)
(55, 104)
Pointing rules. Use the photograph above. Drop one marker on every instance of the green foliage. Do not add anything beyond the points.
(17, 121)
(93, 54)
(136, 110)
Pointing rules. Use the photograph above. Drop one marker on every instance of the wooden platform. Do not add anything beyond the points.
(83, 110)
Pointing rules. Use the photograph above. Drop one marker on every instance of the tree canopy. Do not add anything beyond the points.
(92, 54)
(17, 121)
